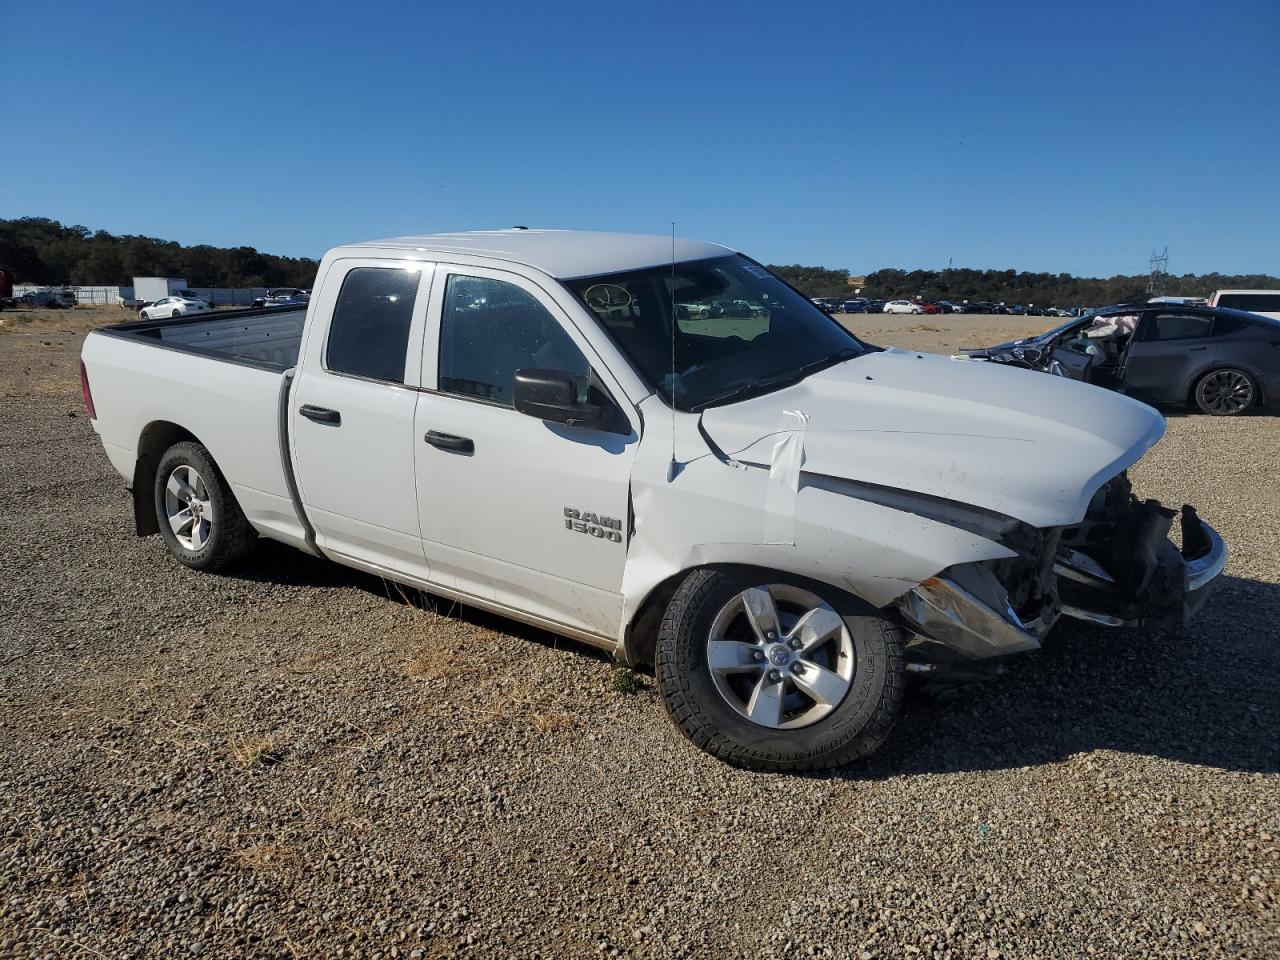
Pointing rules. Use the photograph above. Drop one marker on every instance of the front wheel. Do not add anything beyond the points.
(200, 520)
(176, 314)
(771, 672)
(1225, 393)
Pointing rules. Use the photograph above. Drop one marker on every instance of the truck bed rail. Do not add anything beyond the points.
(267, 337)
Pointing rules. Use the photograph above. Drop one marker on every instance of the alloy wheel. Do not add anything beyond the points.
(1226, 392)
(188, 507)
(780, 656)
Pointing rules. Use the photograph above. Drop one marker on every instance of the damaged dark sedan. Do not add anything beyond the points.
(1221, 362)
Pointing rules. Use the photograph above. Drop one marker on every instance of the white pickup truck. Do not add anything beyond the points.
(783, 520)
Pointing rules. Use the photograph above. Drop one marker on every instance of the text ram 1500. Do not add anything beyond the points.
(782, 519)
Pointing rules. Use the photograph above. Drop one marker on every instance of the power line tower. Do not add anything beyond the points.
(1159, 271)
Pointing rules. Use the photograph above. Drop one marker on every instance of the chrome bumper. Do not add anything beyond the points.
(1207, 560)
(1206, 568)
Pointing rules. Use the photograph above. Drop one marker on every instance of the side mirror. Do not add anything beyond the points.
(553, 395)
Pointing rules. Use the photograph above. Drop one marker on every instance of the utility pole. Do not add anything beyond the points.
(1159, 272)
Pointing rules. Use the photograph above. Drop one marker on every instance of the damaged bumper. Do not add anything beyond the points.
(1118, 569)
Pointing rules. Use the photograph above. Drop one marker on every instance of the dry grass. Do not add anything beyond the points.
(265, 857)
(549, 722)
(253, 749)
(431, 665)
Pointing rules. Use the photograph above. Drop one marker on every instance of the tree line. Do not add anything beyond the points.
(1010, 286)
(43, 251)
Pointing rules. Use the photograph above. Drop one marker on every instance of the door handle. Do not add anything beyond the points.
(321, 414)
(447, 441)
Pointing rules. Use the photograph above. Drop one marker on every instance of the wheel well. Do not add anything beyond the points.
(157, 437)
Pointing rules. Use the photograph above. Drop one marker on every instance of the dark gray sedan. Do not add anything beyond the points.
(1224, 362)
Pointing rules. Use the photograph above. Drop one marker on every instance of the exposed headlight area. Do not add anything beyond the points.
(1117, 568)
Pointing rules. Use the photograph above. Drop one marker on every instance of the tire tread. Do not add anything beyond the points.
(683, 708)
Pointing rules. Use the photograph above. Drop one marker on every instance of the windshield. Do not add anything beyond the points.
(740, 330)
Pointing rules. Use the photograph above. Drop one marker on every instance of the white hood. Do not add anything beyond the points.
(1027, 445)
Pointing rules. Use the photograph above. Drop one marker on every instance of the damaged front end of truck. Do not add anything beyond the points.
(1118, 567)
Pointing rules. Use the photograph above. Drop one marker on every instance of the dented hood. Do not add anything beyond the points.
(1021, 443)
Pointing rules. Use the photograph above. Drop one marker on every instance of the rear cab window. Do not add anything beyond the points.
(369, 331)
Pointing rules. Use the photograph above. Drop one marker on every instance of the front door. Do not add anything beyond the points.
(514, 510)
(351, 414)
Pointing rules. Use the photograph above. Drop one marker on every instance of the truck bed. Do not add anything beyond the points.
(268, 337)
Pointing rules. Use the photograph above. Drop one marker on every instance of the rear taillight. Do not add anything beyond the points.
(88, 394)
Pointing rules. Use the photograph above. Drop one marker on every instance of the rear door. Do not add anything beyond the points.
(520, 512)
(1166, 350)
(352, 409)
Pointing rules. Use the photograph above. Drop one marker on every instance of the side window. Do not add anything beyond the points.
(369, 333)
(489, 330)
(1178, 326)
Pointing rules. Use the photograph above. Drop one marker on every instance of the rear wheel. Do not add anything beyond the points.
(771, 672)
(202, 525)
(1225, 393)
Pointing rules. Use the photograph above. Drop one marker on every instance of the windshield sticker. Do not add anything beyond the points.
(756, 271)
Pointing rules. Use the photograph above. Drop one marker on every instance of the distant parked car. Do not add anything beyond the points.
(856, 305)
(927, 307)
(283, 297)
(902, 306)
(1223, 362)
(950, 306)
(172, 307)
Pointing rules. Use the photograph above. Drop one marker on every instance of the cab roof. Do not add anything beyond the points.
(564, 254)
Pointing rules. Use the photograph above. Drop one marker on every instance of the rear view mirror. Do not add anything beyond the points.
(553, 395)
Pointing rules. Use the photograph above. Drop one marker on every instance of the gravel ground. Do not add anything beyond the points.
(299, 761)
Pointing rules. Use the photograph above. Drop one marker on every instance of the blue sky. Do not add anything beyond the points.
(1044, 136)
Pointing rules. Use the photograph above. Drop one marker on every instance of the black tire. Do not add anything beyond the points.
(142, 314)
(176, 314)
(1225, 392)
(229, 538)
(852, 730)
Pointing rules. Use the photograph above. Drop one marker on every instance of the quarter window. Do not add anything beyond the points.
(1224, 326)
(369, 334)
(489, 330)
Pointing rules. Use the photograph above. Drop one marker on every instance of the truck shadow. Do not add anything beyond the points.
(1209, 696)
(276, 563)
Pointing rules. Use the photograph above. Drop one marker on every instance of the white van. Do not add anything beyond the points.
(1265, 302)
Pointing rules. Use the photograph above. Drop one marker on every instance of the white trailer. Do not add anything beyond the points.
(148, 290)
